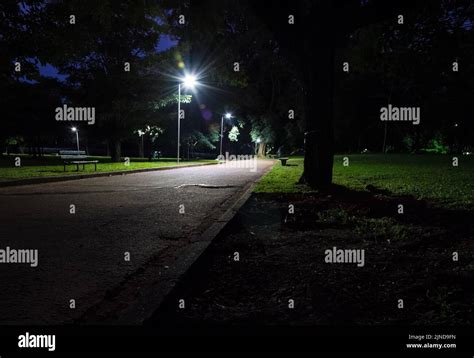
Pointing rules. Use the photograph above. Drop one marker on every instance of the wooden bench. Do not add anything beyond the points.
(76, 157)
(283, 161)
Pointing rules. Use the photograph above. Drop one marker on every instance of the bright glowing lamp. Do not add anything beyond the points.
(189, 81)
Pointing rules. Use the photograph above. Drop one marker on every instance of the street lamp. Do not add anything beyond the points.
(228, 116)
(188, 81)
(141, 134)
(74, 129)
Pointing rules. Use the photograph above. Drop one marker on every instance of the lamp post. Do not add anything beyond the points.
(188, 81)
(142, 147)
(179, 119)
(228, 116)
(74, 129)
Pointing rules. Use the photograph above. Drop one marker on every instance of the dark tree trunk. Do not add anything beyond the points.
(416, 143)
(261, 150)
(319, 104)
(141, 149)
(86, 145)
(116, 150)
(319, 137)
(384, 138)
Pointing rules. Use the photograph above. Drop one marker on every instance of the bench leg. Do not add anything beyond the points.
(83, 167)
(95, 166)
(77, 167)
(64, 167)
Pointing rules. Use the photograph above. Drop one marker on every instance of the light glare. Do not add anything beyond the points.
(189, 81)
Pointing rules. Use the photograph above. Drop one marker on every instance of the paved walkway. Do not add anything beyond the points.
(82, 255)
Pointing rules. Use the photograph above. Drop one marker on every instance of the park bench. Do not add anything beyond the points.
(283, 161)
(76, 157)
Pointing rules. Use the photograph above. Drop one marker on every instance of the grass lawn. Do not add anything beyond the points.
(51, 165)
(423, 176)
(407, 256)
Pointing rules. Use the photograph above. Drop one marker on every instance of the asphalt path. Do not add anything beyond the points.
(82, 256)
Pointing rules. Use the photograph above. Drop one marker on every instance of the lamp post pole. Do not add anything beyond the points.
(77, 139)
(222, 134)
(228, 116)
(74, 129)
(141, 134)
(179, 118)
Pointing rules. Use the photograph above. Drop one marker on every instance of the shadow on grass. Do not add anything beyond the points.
(409, 256)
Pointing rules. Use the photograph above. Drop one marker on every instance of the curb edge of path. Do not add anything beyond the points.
(95, 175)
(143, 309)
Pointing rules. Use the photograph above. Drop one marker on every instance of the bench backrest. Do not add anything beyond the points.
(72, 154)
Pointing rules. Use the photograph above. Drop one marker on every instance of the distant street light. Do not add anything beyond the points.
(141, 134)
(227, 116)
(74, 129)
(188, 81)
